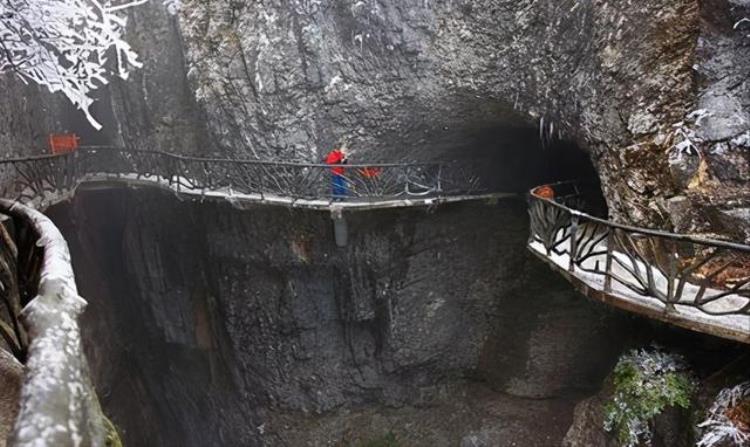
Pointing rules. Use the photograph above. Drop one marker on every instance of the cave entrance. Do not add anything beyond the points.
(512, 154)
(515, 159)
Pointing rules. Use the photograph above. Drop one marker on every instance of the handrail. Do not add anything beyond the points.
(701, 283)
(260, 162)
(293, 181)
(94, 149)
(634, 229)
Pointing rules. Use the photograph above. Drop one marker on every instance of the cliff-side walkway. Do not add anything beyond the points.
(48, 179)
(699, 284)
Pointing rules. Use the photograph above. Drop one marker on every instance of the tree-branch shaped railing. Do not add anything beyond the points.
(36, 176)
(683, 273)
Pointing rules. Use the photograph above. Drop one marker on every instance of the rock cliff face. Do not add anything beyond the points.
(207, 325)
(155, 108)
(27, 116)
(655, 91)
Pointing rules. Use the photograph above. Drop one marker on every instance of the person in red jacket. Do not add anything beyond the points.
(337, 158)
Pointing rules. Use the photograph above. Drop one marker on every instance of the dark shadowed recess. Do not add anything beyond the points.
(515, 159)
(513, 154)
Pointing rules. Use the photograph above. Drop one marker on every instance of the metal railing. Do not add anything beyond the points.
(26, 178)
(680, 271)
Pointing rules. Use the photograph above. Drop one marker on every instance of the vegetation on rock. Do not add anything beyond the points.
(387, 440)
(647, 381)
(113, 436)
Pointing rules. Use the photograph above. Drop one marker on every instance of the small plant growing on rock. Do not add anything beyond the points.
(728, 421)
(387, 440)
(647, 381)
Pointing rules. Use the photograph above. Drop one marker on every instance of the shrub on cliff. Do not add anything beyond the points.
(647, 382)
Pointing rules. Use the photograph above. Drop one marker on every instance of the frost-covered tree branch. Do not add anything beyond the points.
(66, 45)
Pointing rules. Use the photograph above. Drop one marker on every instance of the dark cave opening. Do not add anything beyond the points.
(515, 159)
(511, 153)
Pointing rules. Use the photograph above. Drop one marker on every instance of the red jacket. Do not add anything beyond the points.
(336, 157)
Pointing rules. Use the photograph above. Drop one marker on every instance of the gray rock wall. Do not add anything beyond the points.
(444, 79)
(27, 117)
(420, 79)
(155, 107)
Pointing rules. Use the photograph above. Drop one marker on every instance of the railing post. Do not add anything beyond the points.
(73, 170)
(671, 274)
(439, 180)
(261, 182)
(405, 170)
(608, 268)
(573, 242)
(170, 169)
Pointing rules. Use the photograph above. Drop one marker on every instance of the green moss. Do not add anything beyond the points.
(113, 437)
(646, 382)
(387, 440)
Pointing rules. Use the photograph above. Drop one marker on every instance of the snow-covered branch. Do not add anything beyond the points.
(66, 45)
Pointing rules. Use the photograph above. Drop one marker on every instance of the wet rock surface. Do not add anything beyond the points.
(209, 325)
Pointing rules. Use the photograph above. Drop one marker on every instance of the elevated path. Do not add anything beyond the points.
(45, 180)
(695, 283)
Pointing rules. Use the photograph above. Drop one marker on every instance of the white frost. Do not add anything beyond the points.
(64, 45)
(718, 429)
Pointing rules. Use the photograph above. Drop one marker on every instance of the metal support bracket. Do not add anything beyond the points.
(340, 226)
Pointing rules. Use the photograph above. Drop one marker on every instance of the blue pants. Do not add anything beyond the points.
(339, 186)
